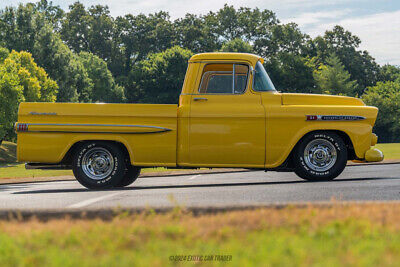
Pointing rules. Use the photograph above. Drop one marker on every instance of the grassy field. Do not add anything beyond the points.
(391, 151)
(340, 235)
(8, 152)
(8, 158)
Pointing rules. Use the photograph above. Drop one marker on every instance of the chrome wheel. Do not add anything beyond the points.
(320, 155)
(97, 163)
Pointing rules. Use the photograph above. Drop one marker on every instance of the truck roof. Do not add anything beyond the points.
(227, 56)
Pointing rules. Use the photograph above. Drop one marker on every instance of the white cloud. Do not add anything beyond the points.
(310, 18)
(178, 8)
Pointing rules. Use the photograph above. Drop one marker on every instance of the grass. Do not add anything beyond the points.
(8, 158)
(340, 235)
(8, 152)
(391, 151)
(19, 171)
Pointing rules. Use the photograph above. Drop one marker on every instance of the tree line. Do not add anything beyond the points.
(86, 55)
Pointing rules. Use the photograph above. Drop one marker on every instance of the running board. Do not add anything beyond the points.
(41, 166)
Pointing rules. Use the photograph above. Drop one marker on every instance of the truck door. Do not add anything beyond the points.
(227, 119)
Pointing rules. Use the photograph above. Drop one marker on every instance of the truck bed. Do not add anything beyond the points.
(148, 129)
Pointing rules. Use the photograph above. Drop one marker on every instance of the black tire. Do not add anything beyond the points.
(95, 156)
(131, 175)
(319, 164)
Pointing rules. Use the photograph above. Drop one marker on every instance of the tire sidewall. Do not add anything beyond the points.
(306, 172)
(131, 175)
(108, 182)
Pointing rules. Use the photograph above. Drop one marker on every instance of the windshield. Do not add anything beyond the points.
(262, 82)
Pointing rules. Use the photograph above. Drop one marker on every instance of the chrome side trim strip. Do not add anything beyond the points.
(334, 118)
(160, 129)
(91, 132)
(96, 125)
(42, 113)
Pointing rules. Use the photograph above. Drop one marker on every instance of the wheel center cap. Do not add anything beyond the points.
(100, 163)
(320, 155)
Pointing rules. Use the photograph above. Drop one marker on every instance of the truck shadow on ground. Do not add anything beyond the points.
(132, 188)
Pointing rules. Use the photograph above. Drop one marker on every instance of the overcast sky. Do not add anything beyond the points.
(376, 22)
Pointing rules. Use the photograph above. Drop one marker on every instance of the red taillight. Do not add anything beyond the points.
(22, 127)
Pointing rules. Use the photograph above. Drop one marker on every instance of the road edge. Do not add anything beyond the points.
(5, 181)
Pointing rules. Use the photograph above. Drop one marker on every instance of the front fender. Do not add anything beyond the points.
(286, 126)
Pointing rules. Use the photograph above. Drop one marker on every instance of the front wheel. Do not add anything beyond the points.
(320, 156)
(99, 165)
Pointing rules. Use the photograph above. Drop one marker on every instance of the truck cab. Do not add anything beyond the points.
(229, 115)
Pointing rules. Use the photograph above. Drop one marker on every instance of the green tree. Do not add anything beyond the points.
(196, 33)
(104, 87)
(3, 54)
(386, 96)
(237, 45)
(140, 35)
(26, 28)
(63, 66)
(334, 79)
(159, 78)
(291, 73)
(286, 59)
(250, 25)
(89, 30)
(21, 80)
(53, 14)
(361, 66)
(390, 73)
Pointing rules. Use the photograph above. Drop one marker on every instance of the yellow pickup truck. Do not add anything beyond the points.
(229, 116)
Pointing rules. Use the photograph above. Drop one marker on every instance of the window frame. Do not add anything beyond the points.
(249, 71)
(254, 77)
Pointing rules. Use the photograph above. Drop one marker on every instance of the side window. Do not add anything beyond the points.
(218, 78)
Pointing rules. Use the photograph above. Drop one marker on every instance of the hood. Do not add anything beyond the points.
(313, 99)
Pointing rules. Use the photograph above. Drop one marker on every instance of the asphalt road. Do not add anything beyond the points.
(358, 183)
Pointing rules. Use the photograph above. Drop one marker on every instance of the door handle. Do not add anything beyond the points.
(200, 99)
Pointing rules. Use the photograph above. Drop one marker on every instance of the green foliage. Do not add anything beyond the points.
(137, 36)
(89, 30)
(334, 79)
(159, 78)
(25, 28)
(390, 73)
(21, 80)
(64, 66)
(286, 59)
(291, 73)
(386, 96)
(237, 45)
(3, 54)
(361, 66)
(104, 87)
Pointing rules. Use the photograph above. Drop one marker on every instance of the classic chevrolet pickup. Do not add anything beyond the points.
(229, 115)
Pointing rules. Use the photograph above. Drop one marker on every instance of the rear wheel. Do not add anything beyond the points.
(99, 165)
(131, 175)
(320, 156)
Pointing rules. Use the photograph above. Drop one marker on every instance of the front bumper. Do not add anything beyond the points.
(373, 155)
